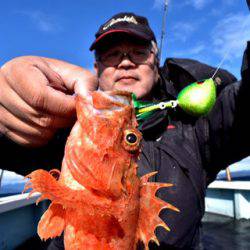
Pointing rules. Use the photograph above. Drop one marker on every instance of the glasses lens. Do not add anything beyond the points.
(113, 58)
(139, 55)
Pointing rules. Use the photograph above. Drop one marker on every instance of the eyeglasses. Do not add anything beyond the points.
(114, 58)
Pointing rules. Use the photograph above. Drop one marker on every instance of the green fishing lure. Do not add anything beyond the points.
(197, 99)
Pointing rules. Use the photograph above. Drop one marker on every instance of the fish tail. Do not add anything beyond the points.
(150, 207)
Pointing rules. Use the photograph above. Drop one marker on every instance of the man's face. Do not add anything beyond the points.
(127, 75)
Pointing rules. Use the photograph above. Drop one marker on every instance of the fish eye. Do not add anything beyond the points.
(131, 140)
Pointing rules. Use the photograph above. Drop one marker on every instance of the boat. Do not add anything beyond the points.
(231, 198)
(19, 217)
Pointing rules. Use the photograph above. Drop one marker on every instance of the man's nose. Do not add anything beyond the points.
(126, 62)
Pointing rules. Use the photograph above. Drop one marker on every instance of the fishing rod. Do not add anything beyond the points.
(163, 29)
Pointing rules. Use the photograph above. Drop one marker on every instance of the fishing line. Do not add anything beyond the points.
(222, 61)
(230, 47)
(187, 97)
(163, 34)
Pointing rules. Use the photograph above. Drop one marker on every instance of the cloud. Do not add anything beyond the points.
(182, 30)
(230, 35)
(192, 52)
(228, 2)
(42, 21)
(198, 4)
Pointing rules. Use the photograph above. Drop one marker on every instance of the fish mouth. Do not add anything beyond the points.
(118, 97)
(105, 103)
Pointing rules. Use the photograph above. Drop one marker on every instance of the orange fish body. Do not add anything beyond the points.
(97, 199)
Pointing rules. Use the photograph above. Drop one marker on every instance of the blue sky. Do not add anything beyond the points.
(199, 29)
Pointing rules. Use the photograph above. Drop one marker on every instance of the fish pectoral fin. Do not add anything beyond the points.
(150, 207)
(50, 188)
(45, 183)
(52, 222)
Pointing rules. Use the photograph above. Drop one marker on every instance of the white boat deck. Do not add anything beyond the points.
(230, 198)
(9, 203)
(240, 185)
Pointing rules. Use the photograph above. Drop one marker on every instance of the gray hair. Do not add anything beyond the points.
(155, 49)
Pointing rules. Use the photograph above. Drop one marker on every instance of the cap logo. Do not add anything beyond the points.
(129, 19)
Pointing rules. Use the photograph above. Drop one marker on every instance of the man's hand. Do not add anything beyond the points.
(36, 97)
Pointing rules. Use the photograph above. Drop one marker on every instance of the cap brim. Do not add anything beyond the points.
(138, 34)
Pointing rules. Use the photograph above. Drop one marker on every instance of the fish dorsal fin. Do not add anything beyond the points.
(150, 207)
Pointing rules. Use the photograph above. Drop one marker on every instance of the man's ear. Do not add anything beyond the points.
(96, 68)
(157, 74)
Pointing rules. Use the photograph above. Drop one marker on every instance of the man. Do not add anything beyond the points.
(36, 100)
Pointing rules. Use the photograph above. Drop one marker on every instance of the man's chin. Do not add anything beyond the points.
(129, 88)
(122, 86)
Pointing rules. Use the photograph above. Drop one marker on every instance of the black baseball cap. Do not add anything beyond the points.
(125, 22)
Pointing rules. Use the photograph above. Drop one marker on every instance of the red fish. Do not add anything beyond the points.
(97, 199)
